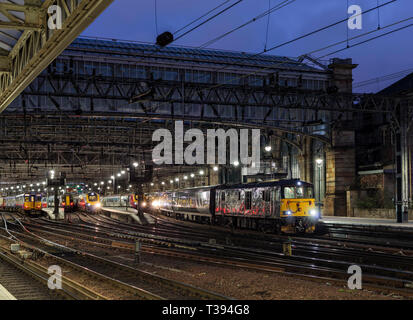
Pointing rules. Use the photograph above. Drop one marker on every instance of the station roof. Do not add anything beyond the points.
(404, 86)
(208, 56)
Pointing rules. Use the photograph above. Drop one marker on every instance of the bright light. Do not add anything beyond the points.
(236, 163)
(152, 184)
(119, 174)
(268, 148)
(201, 172)
(95, 184)
(144, 204)
(163, 183)
(288, 213)
(313, 213)
(215, 168)
(112, 177)
(319, 162)
(98, 205)
(171, 181)
(185, 177)
(123, 172)
(192, 175)
(110, 181)
(156, 204)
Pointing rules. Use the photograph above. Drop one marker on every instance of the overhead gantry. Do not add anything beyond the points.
(33, 33)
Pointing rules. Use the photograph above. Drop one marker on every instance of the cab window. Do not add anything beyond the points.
(289, 193)
(93, 198)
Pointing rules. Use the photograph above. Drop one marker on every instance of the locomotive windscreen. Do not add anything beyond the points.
(92, 197)
(298, 193)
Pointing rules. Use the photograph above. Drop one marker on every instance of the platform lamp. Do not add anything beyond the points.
(319, 163)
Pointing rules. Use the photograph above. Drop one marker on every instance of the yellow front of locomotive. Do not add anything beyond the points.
(298, 208)
(93, 202)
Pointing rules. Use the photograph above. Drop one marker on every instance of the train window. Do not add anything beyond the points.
(248, 200)
(289, 193)
(92, 197)
(223, 196)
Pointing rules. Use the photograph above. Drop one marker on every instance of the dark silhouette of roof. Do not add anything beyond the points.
(402, 87)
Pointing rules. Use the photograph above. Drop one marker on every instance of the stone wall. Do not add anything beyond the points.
(340, 173)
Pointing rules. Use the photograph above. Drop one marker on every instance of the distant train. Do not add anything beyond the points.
(89, 202)
(275, 206)
(128, 200)
(29, 203)
(66, 202)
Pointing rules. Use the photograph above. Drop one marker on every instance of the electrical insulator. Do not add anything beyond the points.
(164, 39)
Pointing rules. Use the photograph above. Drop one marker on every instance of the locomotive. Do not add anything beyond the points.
(275, 206)
(29, 203)
(89, 202)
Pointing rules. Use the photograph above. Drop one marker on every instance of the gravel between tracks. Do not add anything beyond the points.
(251, 285)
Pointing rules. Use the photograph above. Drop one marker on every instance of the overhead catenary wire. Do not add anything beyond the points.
(268, 25)
(368, 40)
(207, 20)
(359, 36)
(277, 65)
(262, 15)
(386, 77)
(199, 18)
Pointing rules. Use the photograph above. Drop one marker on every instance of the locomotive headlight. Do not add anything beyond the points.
(144, 204)
(98, 205)
(313, 213)
(288, 213)
(156, 204)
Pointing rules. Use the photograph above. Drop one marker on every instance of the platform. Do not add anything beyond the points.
(130, 212)
(367, 222)
(5, 295)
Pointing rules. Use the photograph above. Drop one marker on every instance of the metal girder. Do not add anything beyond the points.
(23, 59)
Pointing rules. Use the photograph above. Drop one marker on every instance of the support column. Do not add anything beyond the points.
(306, 161)
(340, 172)
(402, 165)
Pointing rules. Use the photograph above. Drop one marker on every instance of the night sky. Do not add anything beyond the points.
(135, 20)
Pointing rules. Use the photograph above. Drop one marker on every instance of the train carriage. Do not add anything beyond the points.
(29, 203)
(285, 205)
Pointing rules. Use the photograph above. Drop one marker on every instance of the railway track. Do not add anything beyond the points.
(23, 286)
(378, 278)
(137, 283)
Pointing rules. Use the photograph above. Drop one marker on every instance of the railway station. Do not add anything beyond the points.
(196, 165)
